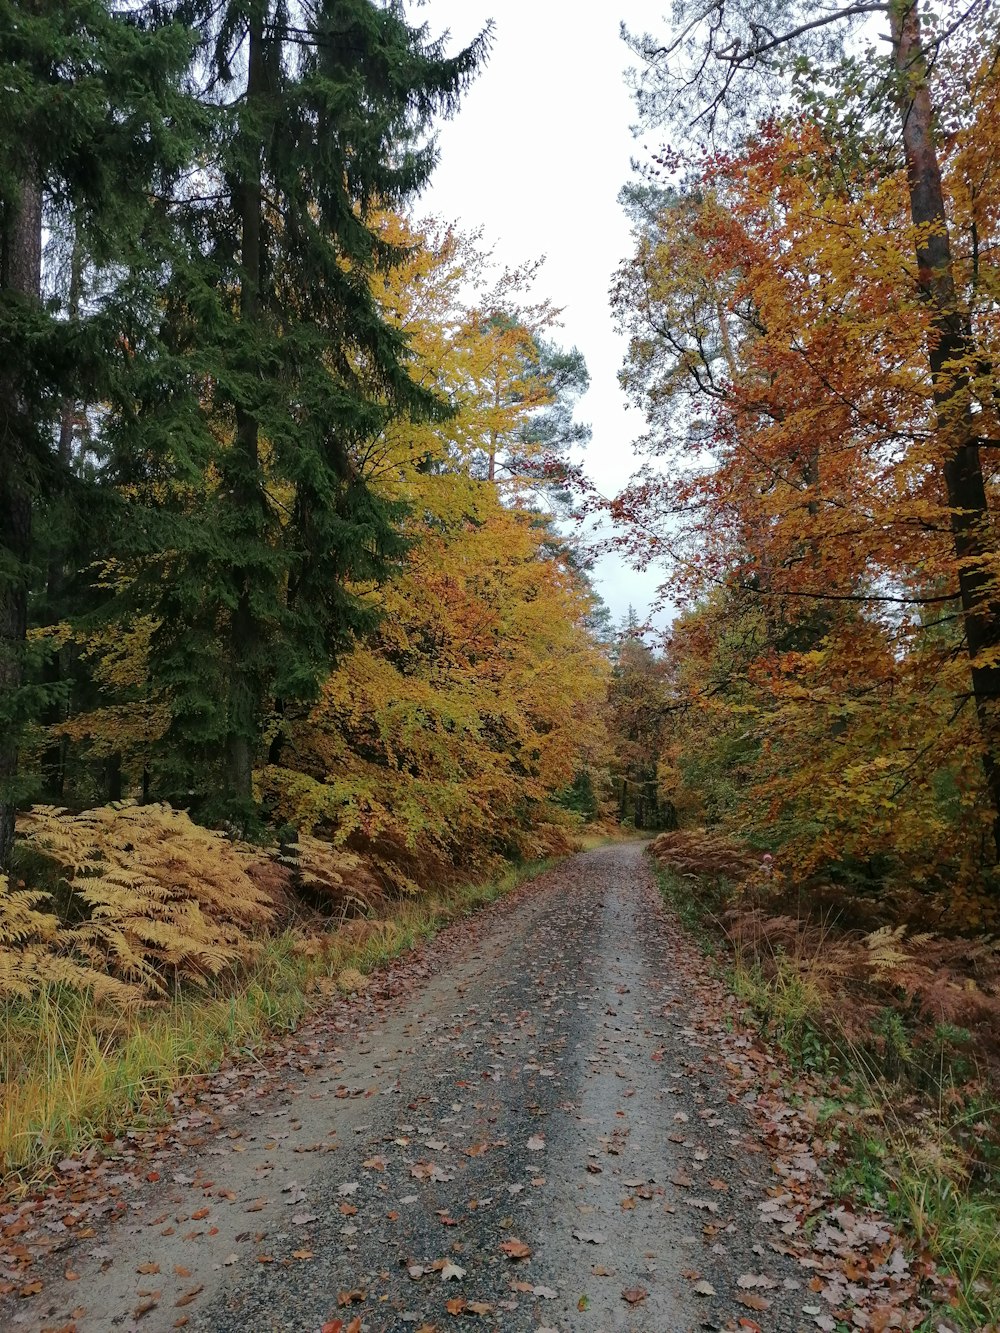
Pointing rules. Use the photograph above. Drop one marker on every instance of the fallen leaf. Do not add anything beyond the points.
(189, 1296)
(703, 1288)
(634, 1295)
(516, 1249)
(753, 1302)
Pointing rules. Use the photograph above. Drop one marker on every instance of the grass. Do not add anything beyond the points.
(695, 904)
(74, 1073)
(913, 1142)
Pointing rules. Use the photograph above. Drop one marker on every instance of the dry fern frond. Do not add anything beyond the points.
(30, 941)
(20, 919)
(338, 879)
(699, 852)
(885, 951)
(158, 894)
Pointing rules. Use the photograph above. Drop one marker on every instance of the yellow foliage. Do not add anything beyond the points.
(440, 740)
(29, 959)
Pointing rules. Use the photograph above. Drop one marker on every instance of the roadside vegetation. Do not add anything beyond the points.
(891, 1041)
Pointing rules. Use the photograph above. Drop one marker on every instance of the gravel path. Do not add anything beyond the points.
(550, 1131)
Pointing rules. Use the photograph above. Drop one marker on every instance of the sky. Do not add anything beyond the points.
(536, 155)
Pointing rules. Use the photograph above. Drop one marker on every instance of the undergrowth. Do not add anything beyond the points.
(915, 1121)
(78, 1069)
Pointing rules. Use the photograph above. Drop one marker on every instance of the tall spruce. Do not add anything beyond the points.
(263, 365)
(86, 99)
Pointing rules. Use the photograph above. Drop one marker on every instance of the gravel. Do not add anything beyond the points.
(547, 1086)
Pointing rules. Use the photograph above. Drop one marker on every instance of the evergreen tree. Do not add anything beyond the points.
(265, 363)
(84, 96)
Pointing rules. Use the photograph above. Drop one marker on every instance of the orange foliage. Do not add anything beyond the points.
(819, 685)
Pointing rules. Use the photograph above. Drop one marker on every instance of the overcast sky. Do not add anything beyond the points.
(537, 155)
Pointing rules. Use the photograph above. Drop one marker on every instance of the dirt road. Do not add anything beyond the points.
(546, 1120)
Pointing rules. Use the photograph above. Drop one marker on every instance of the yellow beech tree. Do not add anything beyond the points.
(441, 739)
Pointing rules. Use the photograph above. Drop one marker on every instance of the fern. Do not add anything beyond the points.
(157, 897)
(30, 957)
(338, 879)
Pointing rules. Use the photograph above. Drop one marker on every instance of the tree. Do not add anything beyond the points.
(89, 94)
(524, 385)
(269, 365)
(442, 737)
(707, 73)
(637, 720)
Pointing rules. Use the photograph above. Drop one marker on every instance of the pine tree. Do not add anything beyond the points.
(268, 363)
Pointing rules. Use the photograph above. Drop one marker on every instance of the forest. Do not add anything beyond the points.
(301, 649)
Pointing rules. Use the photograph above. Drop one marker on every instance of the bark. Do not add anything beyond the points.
(54, 757)
(20, 279)
(949, 351)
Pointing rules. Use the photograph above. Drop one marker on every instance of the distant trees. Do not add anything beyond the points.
(637, 719)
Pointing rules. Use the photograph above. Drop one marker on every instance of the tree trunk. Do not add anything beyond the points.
(20, 278)
(949, 354)
(243, 702)
(54, 757)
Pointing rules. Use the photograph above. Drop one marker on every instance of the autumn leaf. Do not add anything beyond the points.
(634, 1295)
(753, 1301)
(515, 1249)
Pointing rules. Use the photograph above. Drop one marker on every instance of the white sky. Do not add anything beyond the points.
(537, 154)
